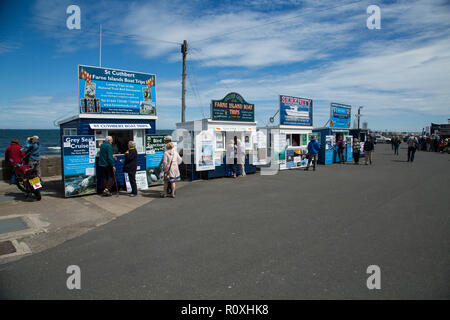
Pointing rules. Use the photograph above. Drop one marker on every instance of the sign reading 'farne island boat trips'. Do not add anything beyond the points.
(232, 108)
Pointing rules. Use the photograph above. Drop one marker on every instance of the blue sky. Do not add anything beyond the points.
(313, 49)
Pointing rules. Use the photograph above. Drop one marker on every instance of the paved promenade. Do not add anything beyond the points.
(294, 235)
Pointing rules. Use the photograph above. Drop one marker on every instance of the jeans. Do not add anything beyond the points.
(233, 166)
(396, 149)
(13, 177)
(411, 152)
(341, 154)
(312, 158)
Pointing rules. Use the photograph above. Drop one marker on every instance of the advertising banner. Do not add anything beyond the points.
(296, 111)
(79, 165)
(259, 149)
(340, 116)
(204, 151)
(232, 108)
(296, 158)
(111, 91)
(154, 150)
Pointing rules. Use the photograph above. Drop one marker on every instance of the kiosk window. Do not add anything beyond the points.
(70, 132)
(220, 140)
(295, 140)
(120, 140)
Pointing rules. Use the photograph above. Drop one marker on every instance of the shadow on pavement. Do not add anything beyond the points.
(53, 188)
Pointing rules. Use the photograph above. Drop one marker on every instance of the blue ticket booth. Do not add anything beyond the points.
(328, 137)
(122, 128)
(111, 102)
(339, 126)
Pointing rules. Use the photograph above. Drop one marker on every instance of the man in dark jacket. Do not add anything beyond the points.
(130, 166)
(368, 149)
(13, 155)
(313, 151)
(106, 163)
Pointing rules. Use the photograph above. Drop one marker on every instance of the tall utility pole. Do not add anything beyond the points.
(183, 83)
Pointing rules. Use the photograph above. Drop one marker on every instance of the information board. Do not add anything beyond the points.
(340, 116)
(232, 108)
(296, 111)
(154, 149)
(112, 91)
(79, 165)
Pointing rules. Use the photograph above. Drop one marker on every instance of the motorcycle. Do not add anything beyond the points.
(27, 179)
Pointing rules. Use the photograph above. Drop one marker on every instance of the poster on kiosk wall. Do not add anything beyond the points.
(204, 151)
(79, 165)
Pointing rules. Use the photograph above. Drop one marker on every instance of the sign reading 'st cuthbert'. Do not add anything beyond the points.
(232, 108)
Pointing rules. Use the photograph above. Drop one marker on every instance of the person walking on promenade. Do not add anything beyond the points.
(397, 143)
(341, 148)
(241, 156)
(313, 152)
(106, 163)
(13, 155)
(130, 166)
(32, 151)
(412, 146)
(393, 143)
(167, 139)
(368, 149)
(171, 161)
(356, 150)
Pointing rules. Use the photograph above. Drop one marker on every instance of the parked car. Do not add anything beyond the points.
(382, 139)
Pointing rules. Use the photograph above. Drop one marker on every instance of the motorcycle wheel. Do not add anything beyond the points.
(37, 193)
(20, 184)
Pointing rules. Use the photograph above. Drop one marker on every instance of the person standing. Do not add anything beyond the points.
(412, 146)
(240, 160)
(313, 152)
(341, 148)
(368, 149)
(32, 150)
(167, 139)
(356, 150)
(397, 143)
(106, 163)
(232, 156)
(13, 155)
(130, 166)
(171, 161)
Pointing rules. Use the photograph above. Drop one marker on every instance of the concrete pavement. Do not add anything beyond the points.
(295, 235)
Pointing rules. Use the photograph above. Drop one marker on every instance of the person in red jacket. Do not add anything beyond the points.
(13, 155)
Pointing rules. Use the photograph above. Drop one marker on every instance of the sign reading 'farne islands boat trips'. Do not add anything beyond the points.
(111, 91)
(232, 108)
(295, 111)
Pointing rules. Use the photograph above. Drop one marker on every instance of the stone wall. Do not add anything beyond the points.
(50, 166)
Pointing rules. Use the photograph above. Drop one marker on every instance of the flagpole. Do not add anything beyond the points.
(100, 55)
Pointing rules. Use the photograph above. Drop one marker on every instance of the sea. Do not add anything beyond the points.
(49, 139)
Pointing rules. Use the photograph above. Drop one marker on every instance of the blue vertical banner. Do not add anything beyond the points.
(340, 116)
(79, 165)
(296, 111)
(154, 152)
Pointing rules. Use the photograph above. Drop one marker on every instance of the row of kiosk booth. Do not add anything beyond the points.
(122, 104)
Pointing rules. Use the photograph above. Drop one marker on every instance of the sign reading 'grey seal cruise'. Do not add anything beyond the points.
(232, 108)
